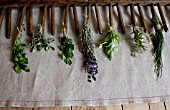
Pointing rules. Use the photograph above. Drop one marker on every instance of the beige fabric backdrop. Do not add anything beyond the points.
(51, 82)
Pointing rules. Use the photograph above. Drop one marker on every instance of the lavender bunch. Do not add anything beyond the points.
(87, 48)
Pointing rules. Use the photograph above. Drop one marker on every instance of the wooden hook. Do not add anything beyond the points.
(153, 10)
(89, 12)
(44, 17)
(23, 9)
(8, 23)
(132, 14)
(52, 19)
(111, 14)
(30, 21)
(76, 19)
(162, 17)
(142, 17)
(98, 18)
(121, 19)
(66, 17)
(2, 12)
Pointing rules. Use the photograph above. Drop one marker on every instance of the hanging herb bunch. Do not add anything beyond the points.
(19, 57)
(157, 42)
(137, 45)
(41, 41)
(111, 42)
(87, 48)
(66, 47)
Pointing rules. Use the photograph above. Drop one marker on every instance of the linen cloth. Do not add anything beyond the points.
(51, 82)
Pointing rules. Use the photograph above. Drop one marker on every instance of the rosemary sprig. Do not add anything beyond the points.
(111, 42)
(41, 41)
(157, 42)
(19, 57)
(137, 40)
(66, 48)
(87, 48)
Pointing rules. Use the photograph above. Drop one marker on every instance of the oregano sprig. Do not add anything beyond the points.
(137, 40)
(66, 48)
(157, 42)
(19, 57)
(41, 41)
(111, 42)
(87, 48)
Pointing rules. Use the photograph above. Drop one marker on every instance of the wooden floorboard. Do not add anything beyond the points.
(167, 104)
(157, 106)
(113, 107)
(143, 106)
(53, 108)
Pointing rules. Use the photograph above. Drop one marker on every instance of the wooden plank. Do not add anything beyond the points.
(54, 108)
(167, 105)
(121, 22)
(66, 17)
(2, 11)
(111, 107)
(52, 19)
(44, 15)
(157, 106)
(76, 19)
(132, 14)
(89, 12)
(22, 13)
(30, 21)
(143, 106)
(15, 108)
(98, 18)
(8, 23)
(111, 14)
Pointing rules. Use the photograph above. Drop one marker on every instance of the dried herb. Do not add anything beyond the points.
(87, 48)
(41, 41)
(66, 48)
(157, 42)
(19, 57)
(111, 42)
(137, 40)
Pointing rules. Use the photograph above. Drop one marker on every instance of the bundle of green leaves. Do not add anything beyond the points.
(157, 42)
(19, 57)
(137, 40)
(111, 42)
(66, 49)
(41, 41)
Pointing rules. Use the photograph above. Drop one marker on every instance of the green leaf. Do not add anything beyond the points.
(68, 61)
(18, 70)
(27, 69)
(63, 56)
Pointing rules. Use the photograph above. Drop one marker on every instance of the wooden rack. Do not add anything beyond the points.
(8, 5)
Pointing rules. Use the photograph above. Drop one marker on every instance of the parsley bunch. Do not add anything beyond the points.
(157, 42)
(19, 57)
(111, 43)
(41, 41)
(66, 48)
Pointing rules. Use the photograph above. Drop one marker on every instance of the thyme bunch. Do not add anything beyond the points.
(19, 57)
(157, 42)
(41, 41)
(137, 40)
(111, 42)
(66, 48)
(87, 48)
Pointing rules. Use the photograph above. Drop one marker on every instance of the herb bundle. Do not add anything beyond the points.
(157, 42)
(91, 65)
(41, 41)
(137, 41)
(111, 42)
(19, 57)
(66, 48)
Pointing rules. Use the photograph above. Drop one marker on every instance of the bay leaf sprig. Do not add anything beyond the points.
(111, 42)
(157, 42)
(41, 41)
(137, 45)
(87, 48)
(66, 48)
(19, 56)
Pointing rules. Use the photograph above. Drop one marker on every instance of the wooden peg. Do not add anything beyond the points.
(132, 14)
(30, 21)
(66, 17)
(111, 14)
(23, 9)
(76, 19)
(44, 17)
(89, 12)
(2, 11)
(121, 19)
(162, 17)
(142, 17)
(8, 23)
(153, 10)
(53, 20)
(98, 19)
